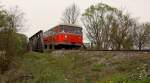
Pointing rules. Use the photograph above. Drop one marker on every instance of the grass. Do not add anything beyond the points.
(83, 67)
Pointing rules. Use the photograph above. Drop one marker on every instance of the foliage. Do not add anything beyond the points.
(121, 31)
(3, 15)
(109, 28)
(97, 67)
(74, 67)
(97, 21)
(21, 44)
(12, 44)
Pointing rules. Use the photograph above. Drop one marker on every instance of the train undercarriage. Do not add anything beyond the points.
(62, 46)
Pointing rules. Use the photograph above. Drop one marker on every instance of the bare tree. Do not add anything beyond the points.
(141, 35)
(15, 18)
(121, 31)
(71, 14)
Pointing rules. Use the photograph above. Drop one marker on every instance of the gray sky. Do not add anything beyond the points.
(44, 14)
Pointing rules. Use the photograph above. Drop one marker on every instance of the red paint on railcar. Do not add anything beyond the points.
(68, 39)
(64, 35)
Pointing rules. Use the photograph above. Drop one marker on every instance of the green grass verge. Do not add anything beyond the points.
(74, 67)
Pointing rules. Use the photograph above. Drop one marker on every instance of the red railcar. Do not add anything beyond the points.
(63, 36)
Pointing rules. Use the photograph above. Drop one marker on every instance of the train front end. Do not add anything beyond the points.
(65, 36)
(68, 37)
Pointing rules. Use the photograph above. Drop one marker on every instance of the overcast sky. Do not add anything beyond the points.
(44, 14)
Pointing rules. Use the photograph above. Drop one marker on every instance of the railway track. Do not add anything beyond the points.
(121, 50)
(103, 50)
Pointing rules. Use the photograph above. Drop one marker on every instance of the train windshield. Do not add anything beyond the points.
(71, 29)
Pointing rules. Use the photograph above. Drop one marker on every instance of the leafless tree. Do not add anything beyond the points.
(16, 18)
(71, 14)
(141, 35)
(121, 31)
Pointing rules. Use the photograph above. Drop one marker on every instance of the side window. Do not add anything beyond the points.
(61, 28)
(52, 31)
(49, 32)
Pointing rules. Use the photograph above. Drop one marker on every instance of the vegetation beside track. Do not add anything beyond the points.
(86, 67)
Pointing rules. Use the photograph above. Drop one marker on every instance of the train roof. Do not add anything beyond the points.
(74, 25)
(70, 25)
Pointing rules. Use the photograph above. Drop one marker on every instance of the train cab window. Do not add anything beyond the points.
(71, 29)
(78, 30)
(61, 29)
(66, 30)
(75, 30)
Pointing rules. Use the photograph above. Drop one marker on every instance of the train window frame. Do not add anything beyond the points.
(79, 30)
(50, 32)
(70, 29)
(61, 28)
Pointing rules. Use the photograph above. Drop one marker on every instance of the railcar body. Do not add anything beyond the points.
(63, 36)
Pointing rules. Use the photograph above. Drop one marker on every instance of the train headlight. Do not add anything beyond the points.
(65, 36)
